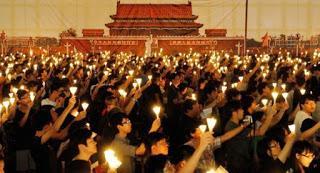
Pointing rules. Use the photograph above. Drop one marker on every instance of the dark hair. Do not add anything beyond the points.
(21, 93)
(247, 101)
(231, 107)
(263, 147)
(187, 105)
(298, 148)
(306, 97)
(231, 93)
(262, 86)
(152, 139)
(80, 136)
(182, 153)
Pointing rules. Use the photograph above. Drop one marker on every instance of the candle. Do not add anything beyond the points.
(285, 95)
(211, 171)
(302, 91)
(211, 123)
(122, 92)
(203, 128)
(283, 86)
(73, 90)
(139, 80)
(15, 90)
(264, 102)
(194, 97)
(111, 159)
(6, 104)
(240, 78)
(75, 113)
(224, 88)
(292, 128)
(274, 85)
(1, 108)
(134, 85)
(274, 96)
(149, 77)
(32, 96)
(12, 100)
(156, 110)
(85, 105)
(131, 72)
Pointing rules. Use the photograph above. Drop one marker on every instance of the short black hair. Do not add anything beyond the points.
(187, 105)
(152, 139)
(232, 106)
(306, 97)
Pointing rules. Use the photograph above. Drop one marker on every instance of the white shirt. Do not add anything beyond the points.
(300, 117)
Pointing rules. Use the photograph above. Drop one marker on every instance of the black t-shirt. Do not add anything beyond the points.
(78, 166)
(307, 124)
(156, 164)
(272, 166)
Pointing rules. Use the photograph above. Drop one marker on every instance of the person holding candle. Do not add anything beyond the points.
(19, 133)
(306, 127)
(273, 157)
(84, 147)
(121, 127)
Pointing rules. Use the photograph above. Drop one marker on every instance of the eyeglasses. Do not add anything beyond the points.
(127, 121)
(308, 155)
(274, 145)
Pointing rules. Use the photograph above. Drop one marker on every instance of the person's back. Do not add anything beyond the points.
(238, 149)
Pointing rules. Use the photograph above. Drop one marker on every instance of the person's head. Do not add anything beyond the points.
(156, 144)
(233, 94)
(264, 89)
(56, 90)
(181, 155)
(308, 103)
(82, 143)
(121, 123)
(249, 104)
(110, 101)
(302, 153)
(44, 74)
(234, 110)
(210, 91)
(23, 97)
(191, 108)
(268, 148)
(79, 73)
(183, 88)
(280, 102)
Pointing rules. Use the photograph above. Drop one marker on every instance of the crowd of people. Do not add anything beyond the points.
(184, 113)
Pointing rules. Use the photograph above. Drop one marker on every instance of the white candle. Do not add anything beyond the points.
(285, 95)
(302, 91)
(211, 123)
(194, 96)
(85, 105)
(292, 128)
(12, 100)
(73, 90)
(224, 88)
(274, 96)
(122, 92)
(6, 104)
(111, 159)
(32, 96)
(139, 80)
(156, 110)
(203, 128)
(149, 77)
(264, 102)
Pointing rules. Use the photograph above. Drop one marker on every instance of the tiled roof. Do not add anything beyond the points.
(164, 11)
